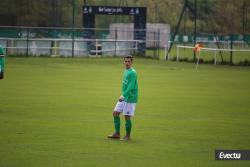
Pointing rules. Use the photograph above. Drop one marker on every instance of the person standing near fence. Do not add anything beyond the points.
(127, 101)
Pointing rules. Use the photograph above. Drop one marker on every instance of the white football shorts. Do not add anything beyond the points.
(125, 108)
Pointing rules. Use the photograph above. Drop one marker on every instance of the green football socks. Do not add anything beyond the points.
(128, 126)
(117, 124)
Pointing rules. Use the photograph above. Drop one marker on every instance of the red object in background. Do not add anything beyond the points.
(198, 47)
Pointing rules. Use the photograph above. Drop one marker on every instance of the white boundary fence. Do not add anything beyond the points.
(215, 50)
(70, 42)
(59, 46)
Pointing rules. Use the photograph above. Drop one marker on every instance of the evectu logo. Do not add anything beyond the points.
(232, 154)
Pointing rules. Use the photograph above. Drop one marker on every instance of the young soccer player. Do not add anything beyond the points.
(127, 101)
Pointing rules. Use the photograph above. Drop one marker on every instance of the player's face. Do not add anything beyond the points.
(127, 63)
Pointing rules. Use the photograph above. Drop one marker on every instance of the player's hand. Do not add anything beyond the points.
(121, 98)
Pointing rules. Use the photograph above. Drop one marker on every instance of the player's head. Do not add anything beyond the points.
(128, 61)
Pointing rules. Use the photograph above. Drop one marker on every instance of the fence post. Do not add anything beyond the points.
(27, 41)
(136, 46)
(73, 28)
(177, 56)
(231, 52)
(96, 47)
(158, 44)
(215, 57)
(73, 43)
(54, 48)
(115, 40)
(165, 52)
(155, 45)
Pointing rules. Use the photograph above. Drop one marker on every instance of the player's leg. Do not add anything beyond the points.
(116, 117)
(117, 122)
(128, 127)
(128, 112)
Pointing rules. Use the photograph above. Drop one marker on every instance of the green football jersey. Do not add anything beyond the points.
(130, 86)
(1, 59)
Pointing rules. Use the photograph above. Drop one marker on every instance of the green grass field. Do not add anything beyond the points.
(58, 112)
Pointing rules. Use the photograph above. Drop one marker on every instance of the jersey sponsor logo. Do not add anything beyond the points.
(125, 81)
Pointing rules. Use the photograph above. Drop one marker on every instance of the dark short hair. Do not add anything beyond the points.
(128, 57)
